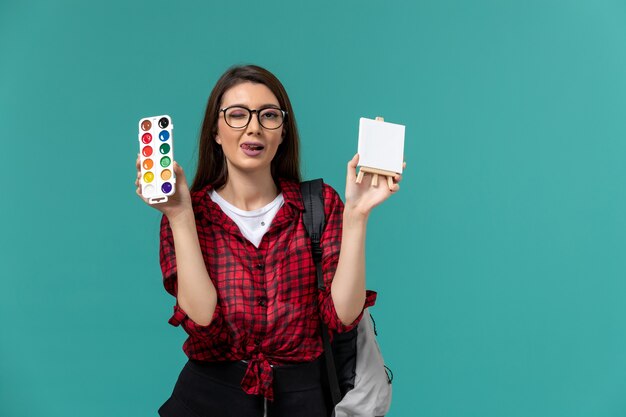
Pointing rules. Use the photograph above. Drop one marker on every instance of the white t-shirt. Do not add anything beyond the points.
(252, 224)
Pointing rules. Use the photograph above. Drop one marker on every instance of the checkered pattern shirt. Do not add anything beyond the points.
(269, 307)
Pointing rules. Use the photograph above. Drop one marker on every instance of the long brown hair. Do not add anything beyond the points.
(212, 168)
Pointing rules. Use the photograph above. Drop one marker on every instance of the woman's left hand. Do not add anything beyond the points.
(362, 198)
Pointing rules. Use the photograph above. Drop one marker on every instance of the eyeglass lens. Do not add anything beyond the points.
(239, 117)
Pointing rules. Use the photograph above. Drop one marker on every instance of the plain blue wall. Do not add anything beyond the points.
(500, 265)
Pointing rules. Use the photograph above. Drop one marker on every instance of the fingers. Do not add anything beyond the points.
(178, 170)
(179, 174)
(138, 171)
(354, 161)
(138, 191)
(396, 182)
(138, 177)
(352, 164)
(398, 177)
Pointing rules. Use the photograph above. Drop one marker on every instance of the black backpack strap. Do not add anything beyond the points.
(314, 221)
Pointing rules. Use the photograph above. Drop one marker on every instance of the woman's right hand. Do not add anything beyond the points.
(177, 203)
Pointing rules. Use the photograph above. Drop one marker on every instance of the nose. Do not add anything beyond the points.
(254, 127)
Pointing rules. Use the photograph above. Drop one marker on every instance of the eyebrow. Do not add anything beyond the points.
(262, 106)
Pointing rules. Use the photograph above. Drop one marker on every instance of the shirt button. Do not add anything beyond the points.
(261, 301)
(257, 341)
(259, 266)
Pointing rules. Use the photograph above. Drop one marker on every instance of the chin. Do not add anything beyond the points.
(252, 167)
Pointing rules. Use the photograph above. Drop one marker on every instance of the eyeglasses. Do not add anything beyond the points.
(239, 117)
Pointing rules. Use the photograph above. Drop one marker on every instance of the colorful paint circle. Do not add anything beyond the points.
(148, 164)
(164, 122)
(166, 174)
(148, 177)
(148, 190)
(165, 161)
(164, 135)
(146, 151)
(166, 187)
(164, 149)
(146, 138)
(146, 125)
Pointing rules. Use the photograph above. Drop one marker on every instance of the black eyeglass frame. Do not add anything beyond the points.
(258, 117)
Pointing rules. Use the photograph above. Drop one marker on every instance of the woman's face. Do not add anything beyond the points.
(249, 149)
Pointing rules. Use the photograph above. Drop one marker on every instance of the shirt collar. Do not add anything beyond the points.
(207, 208)
(291, 193)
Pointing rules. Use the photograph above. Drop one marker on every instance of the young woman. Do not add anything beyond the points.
(235, 254)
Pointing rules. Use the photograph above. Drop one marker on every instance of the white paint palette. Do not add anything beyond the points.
(381, 145)
(156, 145)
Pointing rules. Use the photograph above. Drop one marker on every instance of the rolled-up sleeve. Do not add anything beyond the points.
(211, 331)
(331, 246)
(167, 258)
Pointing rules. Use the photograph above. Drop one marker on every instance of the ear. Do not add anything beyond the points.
(218, 140)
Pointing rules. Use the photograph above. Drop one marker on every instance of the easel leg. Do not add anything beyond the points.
(359, 177)
(375, 180)
(390, 182)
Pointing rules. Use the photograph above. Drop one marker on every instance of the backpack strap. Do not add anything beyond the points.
(314, 221)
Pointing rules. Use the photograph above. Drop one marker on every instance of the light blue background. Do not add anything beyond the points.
(500, 265)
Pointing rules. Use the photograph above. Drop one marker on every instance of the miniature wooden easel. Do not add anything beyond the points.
(375, 171)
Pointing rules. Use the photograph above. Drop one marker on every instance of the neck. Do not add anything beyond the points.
(248, 191)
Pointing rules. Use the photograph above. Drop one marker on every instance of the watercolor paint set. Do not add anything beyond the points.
(156, 153)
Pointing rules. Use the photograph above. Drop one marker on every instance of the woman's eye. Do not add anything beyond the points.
(270, 114)
(237, 115)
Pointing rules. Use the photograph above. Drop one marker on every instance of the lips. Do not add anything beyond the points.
(252, 148)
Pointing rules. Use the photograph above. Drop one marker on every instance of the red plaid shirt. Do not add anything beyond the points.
(268, 307)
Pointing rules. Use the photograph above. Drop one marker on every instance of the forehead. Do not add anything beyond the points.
(249, 94)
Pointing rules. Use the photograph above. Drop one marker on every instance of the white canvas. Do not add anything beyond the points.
(381, 145)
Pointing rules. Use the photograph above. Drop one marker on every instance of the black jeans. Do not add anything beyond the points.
(212, 389)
